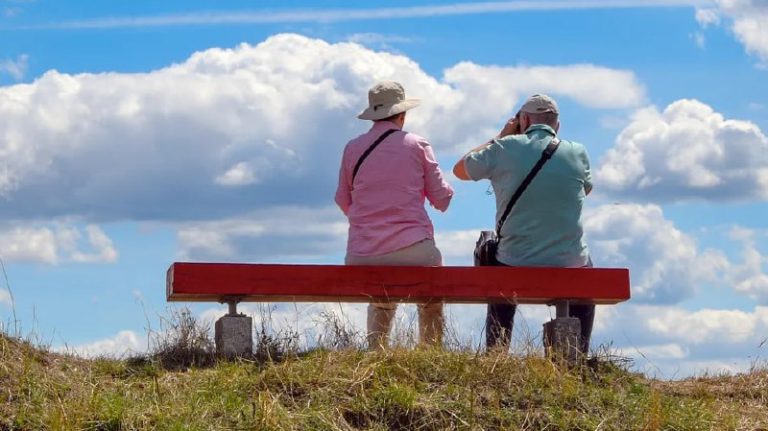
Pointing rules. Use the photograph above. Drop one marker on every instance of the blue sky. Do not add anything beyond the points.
(137, 134)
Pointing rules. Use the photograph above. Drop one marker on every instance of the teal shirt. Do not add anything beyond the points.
(544, 227)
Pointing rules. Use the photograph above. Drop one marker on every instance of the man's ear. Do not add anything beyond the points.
(525, 121)
(557, 127)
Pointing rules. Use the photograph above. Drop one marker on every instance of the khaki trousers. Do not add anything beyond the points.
(380, 315)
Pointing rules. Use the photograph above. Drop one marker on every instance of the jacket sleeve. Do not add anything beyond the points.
(438, 192)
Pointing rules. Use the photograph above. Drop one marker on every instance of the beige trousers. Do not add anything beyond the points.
(380, 315)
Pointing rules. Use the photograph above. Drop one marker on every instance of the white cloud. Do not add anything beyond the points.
(672, 342)
(23, 244)
(707, 17)
(745, 18)
(15, 68)
(343, 15)
(656, 351)
(239, 175)
(688, 151)
(457, 246)
(55, 244)
(751, 276)
(123, 344)
(665, 263)
(706, 326)
(275, 234)
(5, 297)
(103, 249)
(229, 130)
(379, 41)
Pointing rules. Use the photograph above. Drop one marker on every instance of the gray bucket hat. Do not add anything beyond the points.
(386, 99)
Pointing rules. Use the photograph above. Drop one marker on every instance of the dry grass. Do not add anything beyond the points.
(347, 389)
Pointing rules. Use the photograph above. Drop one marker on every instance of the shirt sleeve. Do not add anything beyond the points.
(437, 190)
(587, 171)
(482, 164)
(344, 189)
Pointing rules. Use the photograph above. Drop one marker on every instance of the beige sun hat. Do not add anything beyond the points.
(386, 99)
(538, 104)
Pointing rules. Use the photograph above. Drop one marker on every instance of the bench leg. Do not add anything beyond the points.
(562, 336)
(233, 334)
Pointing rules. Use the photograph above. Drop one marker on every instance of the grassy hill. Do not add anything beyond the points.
(351, 389)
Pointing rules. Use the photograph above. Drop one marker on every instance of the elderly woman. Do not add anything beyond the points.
(385, 176)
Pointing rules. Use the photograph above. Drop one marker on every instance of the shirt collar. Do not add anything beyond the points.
(546, 128)
(383, 125)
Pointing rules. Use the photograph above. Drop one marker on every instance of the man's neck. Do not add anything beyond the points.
(397, 124)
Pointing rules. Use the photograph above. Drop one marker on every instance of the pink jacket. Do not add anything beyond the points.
(385, 206)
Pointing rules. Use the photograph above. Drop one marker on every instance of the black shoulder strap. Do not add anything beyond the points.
(545, 155)
(368, 151)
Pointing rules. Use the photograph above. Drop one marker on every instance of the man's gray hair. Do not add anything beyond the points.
(548, 118)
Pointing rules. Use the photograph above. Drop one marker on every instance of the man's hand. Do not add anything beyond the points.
(512, 127)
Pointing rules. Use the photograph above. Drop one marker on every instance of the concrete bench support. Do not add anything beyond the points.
(233, 332)
(562, 336)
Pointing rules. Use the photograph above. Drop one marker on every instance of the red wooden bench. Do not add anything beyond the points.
(235, 282)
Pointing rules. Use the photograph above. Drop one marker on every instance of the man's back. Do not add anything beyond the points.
(544, 227)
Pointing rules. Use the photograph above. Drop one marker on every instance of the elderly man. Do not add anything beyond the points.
(385, 176)
(544, 226)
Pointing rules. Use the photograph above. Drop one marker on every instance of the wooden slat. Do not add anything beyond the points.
(339, 283)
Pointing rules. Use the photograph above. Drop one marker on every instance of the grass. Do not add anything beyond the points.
(346, 388)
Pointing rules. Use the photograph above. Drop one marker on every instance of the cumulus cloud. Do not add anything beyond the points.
(278, 233)
(745, 18)
(676, 342)
(688, 151)
(15, 68)
(751, 276)
(457, 246)
(123, 344)
(55, 244)
(229, 130)
(666, 265)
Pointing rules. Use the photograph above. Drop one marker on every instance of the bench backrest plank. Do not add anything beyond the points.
(339, 283)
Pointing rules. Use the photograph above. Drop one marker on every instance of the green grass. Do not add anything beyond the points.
(351, 389)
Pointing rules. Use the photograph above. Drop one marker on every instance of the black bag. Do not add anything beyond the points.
(488, 243)
(485, 249)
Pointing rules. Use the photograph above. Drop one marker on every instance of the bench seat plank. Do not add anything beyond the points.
(339, 283)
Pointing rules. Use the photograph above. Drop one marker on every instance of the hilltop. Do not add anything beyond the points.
(351, 389)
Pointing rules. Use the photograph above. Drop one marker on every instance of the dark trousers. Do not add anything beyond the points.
(500, 320)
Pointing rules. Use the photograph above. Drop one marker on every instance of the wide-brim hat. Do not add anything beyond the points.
(386, 99)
